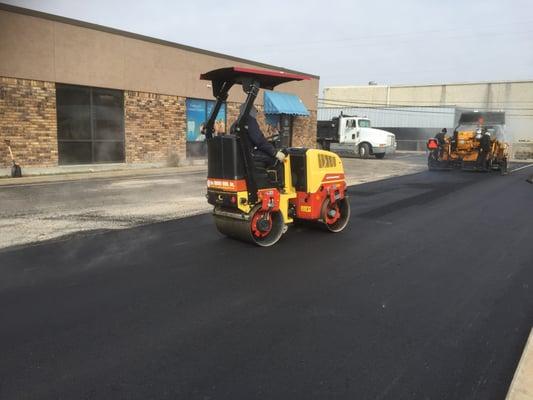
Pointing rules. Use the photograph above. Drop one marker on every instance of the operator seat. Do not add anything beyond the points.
(226, 161)
(266, 173)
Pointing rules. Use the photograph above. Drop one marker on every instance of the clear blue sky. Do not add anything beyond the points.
(345, 42)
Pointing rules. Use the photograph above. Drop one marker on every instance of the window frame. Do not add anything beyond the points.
(94, 138)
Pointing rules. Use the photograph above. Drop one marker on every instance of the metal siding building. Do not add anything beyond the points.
(513, 97)
(404, 117)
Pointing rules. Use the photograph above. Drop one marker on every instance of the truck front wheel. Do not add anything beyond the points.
(323, 145)
(364, 150)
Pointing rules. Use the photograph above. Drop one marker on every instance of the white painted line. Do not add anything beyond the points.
(519, 168)
(522, 385)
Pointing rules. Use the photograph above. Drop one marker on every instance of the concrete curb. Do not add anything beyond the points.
(522, 385)
(91, 168)
(76, 169)
(105, 174)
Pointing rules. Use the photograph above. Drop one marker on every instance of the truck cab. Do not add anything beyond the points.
(353, 135)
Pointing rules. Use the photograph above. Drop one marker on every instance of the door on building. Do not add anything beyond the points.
(90, 125)
(285, 130)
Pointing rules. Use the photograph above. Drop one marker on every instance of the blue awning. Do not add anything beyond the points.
(284, 103)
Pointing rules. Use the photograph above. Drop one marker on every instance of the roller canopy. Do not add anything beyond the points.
(267, 79)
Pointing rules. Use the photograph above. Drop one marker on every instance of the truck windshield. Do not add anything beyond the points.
(364, 123)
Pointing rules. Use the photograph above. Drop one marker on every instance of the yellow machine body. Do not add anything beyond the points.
(468, 147)
(314, 189)
(463, 151)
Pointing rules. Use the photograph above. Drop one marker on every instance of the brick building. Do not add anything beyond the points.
(78, 93)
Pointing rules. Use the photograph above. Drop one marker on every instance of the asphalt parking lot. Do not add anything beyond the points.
(426, 295)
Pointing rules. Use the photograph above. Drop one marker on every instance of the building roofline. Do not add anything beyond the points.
(432, 84)
(101, 28)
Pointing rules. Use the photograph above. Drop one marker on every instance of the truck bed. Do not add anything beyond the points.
(327, 130)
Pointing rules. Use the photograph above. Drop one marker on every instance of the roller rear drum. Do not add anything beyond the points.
(261, 228)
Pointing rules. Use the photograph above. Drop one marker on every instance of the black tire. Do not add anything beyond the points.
(380, 156)
(364, 151)
(322, 145)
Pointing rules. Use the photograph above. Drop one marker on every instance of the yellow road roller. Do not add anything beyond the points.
(255, 202)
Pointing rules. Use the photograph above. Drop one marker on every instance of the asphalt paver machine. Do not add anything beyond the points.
(477, 144)
(255, 202)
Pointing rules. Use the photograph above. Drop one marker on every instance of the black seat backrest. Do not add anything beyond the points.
(225, 161)
(224, 158)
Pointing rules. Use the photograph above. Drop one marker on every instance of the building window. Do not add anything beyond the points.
(198, 112)
(90, 125)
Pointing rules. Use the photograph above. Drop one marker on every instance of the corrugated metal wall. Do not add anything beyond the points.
(513, 97)
(399, 117)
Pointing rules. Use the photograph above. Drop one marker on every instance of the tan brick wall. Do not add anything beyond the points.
(28, 119)
(233, 112)
(304, 131)
(156, 127)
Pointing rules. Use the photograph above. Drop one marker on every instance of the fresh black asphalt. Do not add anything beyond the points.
(426, 295)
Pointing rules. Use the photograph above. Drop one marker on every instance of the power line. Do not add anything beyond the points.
(389, 104)
(393, 34)
(363, 45)
(381, 107)
(432, 100)
(413, 111)
(388, 109)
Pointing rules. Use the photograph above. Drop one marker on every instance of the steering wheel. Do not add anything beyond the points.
(274, 138)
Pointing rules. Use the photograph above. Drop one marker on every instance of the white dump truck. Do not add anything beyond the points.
(349, 135)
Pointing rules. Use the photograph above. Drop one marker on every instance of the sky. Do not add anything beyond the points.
(345, 42)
